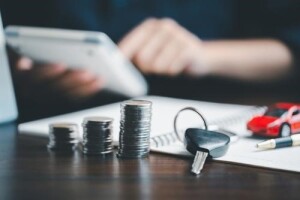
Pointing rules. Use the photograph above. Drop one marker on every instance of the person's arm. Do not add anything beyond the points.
(164, 47)
(257, 59)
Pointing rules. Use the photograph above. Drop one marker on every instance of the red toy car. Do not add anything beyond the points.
(280, 120)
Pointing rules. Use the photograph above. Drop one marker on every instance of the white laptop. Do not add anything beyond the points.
(8, 108)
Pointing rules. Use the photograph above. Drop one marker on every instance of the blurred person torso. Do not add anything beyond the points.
(208, 19)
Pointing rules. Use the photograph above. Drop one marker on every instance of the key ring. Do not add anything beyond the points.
(177, 115)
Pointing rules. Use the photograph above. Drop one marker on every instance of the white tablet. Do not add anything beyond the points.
(94, 51)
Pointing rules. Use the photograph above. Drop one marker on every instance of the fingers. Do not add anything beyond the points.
(162, 63)
(133, 41)
(74, 84)
(86, 90)
(39, 73)
(161, 46)
(24, 64)
(78, 85)
(180, 63)
(151, 49)
(73, 79)
(48, 72)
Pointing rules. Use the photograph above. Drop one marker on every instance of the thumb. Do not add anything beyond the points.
(24, 64)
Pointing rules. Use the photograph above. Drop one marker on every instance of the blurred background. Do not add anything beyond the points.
(203, 20)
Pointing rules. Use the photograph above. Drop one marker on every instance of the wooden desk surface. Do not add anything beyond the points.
(29, 171)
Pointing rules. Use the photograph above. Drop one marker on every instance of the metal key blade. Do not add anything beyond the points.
(199, 161)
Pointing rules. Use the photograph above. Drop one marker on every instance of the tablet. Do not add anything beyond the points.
(93, 51)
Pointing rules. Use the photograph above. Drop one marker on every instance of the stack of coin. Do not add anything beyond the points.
(97, 135)
(63, 137)
(135, 125)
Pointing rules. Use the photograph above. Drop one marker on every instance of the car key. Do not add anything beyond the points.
(204, 143)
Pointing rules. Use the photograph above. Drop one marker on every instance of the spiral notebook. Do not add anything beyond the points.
(230, 117)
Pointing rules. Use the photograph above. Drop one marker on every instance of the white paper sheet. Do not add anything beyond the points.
(232, 117)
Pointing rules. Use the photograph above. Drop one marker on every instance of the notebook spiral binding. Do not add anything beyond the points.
(169, 138)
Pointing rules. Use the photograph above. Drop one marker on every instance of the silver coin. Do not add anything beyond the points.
(132, 155)
(135, 127)
(137, 130)
(69, 126)
(137, 102)
(97, 119)
(97, 135)
(63, 136)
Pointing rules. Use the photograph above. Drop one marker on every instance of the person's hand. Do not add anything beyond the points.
(161, 46)
(73, 84)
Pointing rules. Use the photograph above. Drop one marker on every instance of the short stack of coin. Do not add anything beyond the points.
(135, 126)
(63, 137)
(97, 135)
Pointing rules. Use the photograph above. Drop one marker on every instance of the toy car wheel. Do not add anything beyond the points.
(285, 130)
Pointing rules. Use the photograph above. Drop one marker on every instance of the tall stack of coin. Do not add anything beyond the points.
(63, 137)
(97, 135)
(135, 125)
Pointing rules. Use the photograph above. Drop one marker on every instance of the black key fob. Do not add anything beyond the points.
(214, 143)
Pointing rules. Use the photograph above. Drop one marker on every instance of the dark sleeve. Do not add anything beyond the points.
(278, 19)
(79, 14)
(291, 37)
(285, 15)
(29, 12)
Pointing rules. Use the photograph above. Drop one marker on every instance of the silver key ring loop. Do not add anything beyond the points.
(176, 119)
